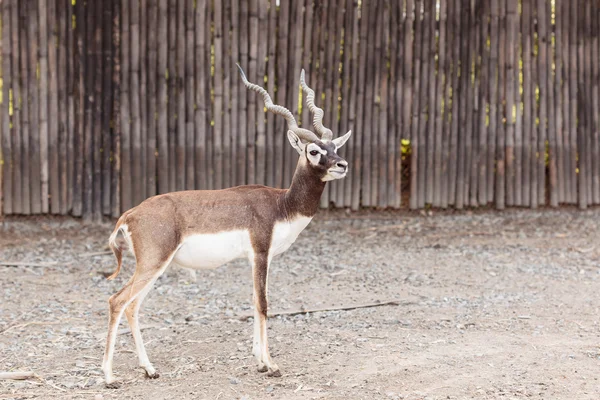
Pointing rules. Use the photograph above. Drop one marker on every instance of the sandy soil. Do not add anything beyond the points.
(491, 306)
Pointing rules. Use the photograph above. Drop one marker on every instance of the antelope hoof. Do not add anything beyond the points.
(262, 368)
(153, 375)
(275, 373)
(113, 385)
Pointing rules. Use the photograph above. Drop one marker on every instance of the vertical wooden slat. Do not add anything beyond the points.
(189, 83)
(7, 90)
(344, 189)
(150, 102)
(484, 104)
(438, 111)
(79, 109)
(501, 131)
(456, 98)
(528, 120)
(588, 102)
(71, 79)
(162, 100)
(518, 114)
(228, 165)
(138, 179)
(281, 95)
(494, 103)
(383, 190)
(430, 141)
(594, 77)
(202, 54)
(218, 93)
(38, 108)
(31, 152)
(472, 109)
(180, 147)
(253, 98)
(511, 26)
(125, 111)
(565, 66)
(353, 179)
(63, 75)
(16, 134)
(235, 84)
(243, 98)
(261, 70)
(115, 199)
(448, 101)
(543, 102)
(394, 120)
(415, 182)
(143, 94)
(88, 122)
(172, 91)
(333, 102)
(321, 76)
(551, 121)
(578, 17)
(294, 67)
(422, 120)
(53, 143)
(307, 57)
(270, 138)
(95, 68)
(573, 102)
(558, 101)
(359, 109)
(463, 97)
(106, 110)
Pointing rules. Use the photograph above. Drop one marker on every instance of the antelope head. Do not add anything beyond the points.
(317, 150)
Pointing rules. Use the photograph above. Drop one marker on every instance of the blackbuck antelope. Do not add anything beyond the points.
(203, 229)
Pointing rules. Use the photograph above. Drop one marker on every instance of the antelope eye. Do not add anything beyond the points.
(314, 153)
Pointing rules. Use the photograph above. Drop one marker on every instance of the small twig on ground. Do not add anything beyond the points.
(16, 375)
(26, 264)
(96, 253)
(30, 323)
(340, 308)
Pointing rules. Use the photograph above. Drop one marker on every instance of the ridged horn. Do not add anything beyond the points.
(325, 133)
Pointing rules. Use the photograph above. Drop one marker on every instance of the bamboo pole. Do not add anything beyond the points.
(595, 75)
(282, 83)
(430, 138)
(235, 82)
(71, 54)
(142, 28)
(472, 109)
(270, 136)
(448, 72)
(244, 97)
(30, 155)
(463, 97)
(518, 108)
(138, 178)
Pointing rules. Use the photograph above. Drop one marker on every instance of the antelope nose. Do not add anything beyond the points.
(342, 164)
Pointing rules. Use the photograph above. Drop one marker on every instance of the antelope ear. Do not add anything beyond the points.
(296, 142)
(339, 142)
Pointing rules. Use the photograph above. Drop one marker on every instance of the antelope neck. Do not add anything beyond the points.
(305, 192)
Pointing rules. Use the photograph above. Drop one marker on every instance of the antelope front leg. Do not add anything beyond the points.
(260, 347)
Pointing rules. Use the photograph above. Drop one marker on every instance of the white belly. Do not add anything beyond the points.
(212, 250)
(286, 233)
(205, 251)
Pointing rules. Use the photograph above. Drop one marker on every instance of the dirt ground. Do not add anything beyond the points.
(491, 306)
